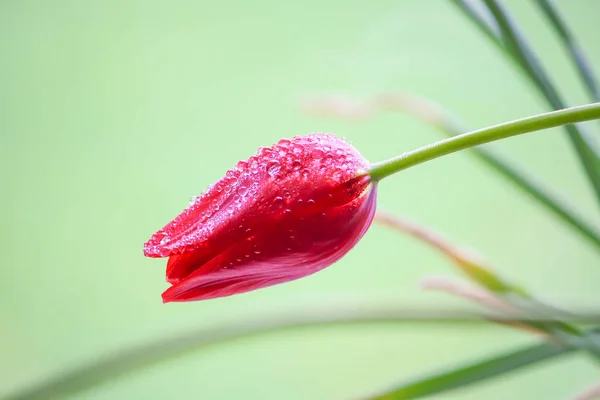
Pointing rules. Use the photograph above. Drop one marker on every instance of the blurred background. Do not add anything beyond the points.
(114, 113)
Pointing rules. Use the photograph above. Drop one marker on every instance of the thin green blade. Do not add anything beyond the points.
(473, 372)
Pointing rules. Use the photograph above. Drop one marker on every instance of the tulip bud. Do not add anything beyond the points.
(289, 211)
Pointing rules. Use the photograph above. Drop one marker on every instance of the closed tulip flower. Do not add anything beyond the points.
(289, 211)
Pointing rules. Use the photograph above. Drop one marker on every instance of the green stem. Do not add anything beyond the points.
(471, 139)
(452, 125)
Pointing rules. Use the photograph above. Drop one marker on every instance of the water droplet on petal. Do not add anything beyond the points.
(317, 153)
(242, 190)
(264, 151)
(273, 168)
(298, 149)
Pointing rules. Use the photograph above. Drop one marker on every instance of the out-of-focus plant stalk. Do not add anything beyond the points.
(576, 53)
(512, 41)
(512, 296)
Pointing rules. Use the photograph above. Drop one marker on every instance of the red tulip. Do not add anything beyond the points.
(287, 212)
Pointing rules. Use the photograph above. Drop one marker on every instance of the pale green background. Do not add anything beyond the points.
(114, 113)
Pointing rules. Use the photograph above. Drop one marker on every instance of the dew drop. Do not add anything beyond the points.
(242, 190)
(298, 149)
(310, 202)
(317, 153)
(256, 251)
(273, 168)
(305, 173)
(265, 151)
(296, 165)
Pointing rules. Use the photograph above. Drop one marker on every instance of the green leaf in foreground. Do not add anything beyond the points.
(473, 372)
(134, 358)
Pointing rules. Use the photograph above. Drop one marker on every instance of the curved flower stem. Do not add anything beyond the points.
(475, 138)
(451, 125)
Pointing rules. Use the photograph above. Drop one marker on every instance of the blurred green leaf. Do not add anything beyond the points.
(129, 359)
(575, 51)
(473, 372)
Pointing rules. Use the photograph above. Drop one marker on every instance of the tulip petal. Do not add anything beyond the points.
(212, 281)
(288, 211)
